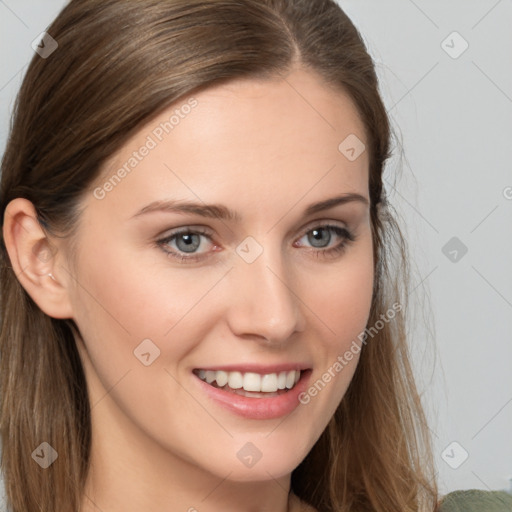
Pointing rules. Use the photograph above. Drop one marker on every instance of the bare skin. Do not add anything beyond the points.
(266, 150)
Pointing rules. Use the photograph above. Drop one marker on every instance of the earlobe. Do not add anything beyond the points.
(33, 258)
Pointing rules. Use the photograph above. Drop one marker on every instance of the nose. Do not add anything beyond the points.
(264, 303)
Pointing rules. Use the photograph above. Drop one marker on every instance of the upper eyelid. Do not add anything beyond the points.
(322, 223)
(207, 231)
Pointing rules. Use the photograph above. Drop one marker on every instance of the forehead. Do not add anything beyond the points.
(246, 140)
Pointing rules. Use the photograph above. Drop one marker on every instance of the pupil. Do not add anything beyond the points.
(189, 243)
(320, 237)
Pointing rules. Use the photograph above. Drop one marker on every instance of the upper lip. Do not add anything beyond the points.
(256, 368)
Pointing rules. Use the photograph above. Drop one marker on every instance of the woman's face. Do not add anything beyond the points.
(166, 294)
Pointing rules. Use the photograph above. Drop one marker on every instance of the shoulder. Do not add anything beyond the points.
(475, 500)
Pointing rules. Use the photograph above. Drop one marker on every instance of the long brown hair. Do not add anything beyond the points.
(119, 63)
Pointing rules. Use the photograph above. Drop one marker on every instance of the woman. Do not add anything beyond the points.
(199, 304)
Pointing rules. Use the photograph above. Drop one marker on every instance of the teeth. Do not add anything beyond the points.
(290, 380)
(222, 379)
(235, 380)
(269, 383)
(250, 381)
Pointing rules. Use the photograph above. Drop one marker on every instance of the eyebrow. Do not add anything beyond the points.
(221, 212)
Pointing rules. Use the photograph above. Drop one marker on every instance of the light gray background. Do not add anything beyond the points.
(453, 117)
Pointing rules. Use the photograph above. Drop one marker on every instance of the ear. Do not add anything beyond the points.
(34, 258)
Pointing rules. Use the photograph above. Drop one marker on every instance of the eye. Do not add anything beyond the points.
(185, 244)
(193, 244)
(320, 237)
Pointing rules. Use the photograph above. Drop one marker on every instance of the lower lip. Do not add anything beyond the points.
(258, 408)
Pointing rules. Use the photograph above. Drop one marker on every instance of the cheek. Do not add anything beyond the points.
(125, 305)
(127, 309)
(141, 297)
(341, 302)
(342, 297)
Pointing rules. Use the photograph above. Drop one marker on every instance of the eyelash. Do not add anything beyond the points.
(348, 238)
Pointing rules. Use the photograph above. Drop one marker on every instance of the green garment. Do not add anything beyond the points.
(475, 500)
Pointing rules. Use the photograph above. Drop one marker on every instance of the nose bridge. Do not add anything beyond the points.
(264, 303)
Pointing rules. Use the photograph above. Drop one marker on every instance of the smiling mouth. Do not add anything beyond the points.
(250, 384)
